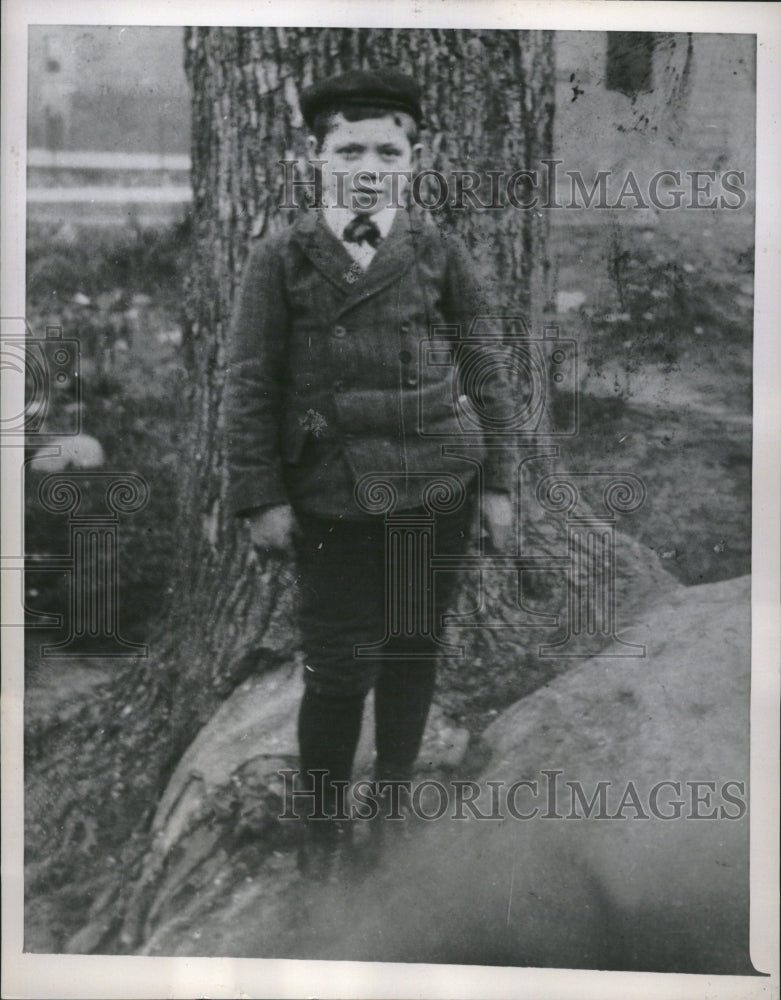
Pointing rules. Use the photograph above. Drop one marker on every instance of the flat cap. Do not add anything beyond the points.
(385, 88)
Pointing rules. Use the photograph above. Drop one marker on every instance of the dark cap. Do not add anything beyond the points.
(381, 88)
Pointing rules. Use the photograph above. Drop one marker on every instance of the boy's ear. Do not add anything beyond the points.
(311, 145)
(415, 154)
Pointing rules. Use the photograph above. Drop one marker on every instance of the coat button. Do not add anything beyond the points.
(339, 331)
(412, 380)
(405, 357)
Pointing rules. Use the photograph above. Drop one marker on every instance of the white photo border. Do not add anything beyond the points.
(40, 976)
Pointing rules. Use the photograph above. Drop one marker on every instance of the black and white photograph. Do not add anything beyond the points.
(390, 453)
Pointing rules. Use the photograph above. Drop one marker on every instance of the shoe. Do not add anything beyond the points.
(325, 855)
(387, 834)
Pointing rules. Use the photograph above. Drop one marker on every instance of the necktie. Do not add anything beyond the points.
(362, 229)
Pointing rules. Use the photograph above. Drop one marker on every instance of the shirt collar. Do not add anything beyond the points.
(338, 216)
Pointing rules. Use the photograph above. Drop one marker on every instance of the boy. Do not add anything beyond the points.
(325, 386)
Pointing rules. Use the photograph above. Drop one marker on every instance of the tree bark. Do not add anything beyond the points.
(488, 106)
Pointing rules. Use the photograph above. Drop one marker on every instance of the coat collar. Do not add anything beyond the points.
(394, 255)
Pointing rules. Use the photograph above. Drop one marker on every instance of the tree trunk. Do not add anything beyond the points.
(488, 106)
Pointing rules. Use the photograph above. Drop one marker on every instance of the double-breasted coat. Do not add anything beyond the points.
(330, 376)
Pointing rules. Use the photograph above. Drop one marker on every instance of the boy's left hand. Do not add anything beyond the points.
(499, 520)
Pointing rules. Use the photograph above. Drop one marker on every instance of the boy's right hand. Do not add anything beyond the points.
(271, 529)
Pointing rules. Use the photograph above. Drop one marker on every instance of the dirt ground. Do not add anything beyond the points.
(665, 336)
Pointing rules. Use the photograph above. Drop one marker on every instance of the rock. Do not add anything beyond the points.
(227, 784)
(570, 300)
(696, 667)
(502, 662)
(632, 893)
(173, 337)
(646, 894)
(77, 452)
(258, 722)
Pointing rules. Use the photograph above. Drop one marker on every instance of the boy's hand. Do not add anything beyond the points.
(499, 520)
(271, 529)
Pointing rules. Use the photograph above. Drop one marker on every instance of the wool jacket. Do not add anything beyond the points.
(331, 376)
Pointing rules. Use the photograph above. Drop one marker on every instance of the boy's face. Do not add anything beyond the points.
(366, 163)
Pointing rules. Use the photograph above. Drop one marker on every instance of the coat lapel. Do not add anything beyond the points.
(394, 256)
(326, 252)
